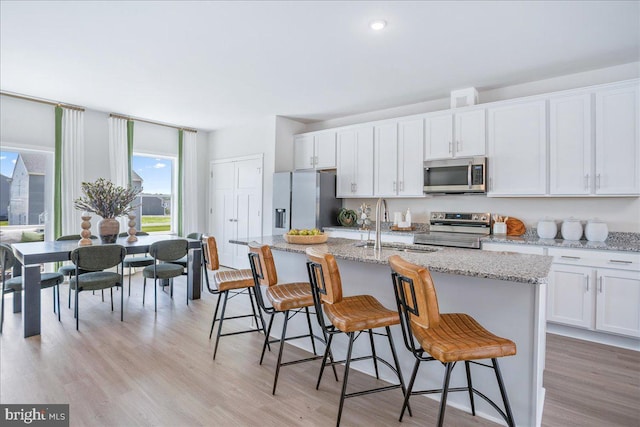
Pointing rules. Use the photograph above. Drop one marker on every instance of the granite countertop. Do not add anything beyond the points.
(509, 266)
(616, 241)
(385, 228)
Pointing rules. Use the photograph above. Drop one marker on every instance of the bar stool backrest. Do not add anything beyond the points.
(326, 278)
(210, 253)
(415, 292)
(265, 274)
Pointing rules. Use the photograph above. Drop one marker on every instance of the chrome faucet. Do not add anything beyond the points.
(385, 217)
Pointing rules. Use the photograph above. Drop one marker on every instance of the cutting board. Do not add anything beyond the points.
(515, 227)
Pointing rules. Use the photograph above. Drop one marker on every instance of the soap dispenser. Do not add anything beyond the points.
(408, 218)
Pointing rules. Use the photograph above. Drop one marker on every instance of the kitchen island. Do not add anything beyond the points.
(505, 292)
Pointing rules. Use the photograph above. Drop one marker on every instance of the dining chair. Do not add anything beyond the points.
(164, 253)
(136, 261)
(14, 284)
(184, 261)
(95, 259)
(69, 270)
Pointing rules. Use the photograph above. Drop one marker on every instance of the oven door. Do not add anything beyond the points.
(455, 176)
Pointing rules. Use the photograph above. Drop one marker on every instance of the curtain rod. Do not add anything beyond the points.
(42, 101)
(121, 116)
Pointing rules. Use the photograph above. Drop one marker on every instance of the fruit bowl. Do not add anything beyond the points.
(305, 240)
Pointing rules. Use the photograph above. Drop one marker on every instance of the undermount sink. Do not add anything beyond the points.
(398, 247)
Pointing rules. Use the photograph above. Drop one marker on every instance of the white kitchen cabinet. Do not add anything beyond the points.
(596, 290)
(355, 162)
(517, 149)
(315, 150)
(617, 142)
(455, 135)
(398, 159)
(570, 159)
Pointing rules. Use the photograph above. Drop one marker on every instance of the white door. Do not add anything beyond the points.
(618, 302)
(236, 211)
(346, 163)
(364, 161)
(386, 160)
(439, 137)
(410, 155)
(617, 141)
(570, 296)
(470, 139)
(325, 150)
(303, 152)
(570, 145)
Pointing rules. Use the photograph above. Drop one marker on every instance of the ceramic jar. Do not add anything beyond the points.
(547, 229)
(596, 230)
(571, 229)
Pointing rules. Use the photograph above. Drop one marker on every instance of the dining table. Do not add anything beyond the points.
(33, 254)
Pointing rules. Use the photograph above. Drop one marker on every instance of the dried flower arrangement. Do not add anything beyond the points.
(106, 199)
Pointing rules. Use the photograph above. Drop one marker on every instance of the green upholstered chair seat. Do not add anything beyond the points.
(163, 271)
(96, 280)
(48, 280)
(138, 261)
(13, 284)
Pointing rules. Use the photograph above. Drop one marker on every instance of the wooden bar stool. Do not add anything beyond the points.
(349, 315)
(228, 284)
(448, 338)
(286, 298)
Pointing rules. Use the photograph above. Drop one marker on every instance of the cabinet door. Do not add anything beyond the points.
(570, 296)
(410, 164)
(325, 150)
(618, 302)
(439, 137)
(570, 145)
(347, 148)
(470, 134)
(303, 152)
(617, 141)
(364, 161)
(517, 149)
(386, 160)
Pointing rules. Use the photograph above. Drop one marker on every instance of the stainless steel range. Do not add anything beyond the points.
(457, 229)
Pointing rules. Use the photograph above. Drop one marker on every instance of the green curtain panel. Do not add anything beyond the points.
(180, 179)
(57, 177)
(130, 150)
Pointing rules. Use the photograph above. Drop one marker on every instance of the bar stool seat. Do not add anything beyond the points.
(358, 313)
(459, 337)
(290, 296)
(233, 279)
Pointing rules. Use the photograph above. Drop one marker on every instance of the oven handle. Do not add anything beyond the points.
(469, 173)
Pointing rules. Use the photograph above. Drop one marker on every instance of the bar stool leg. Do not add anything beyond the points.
(373, 353)
(470, 387)
(445, 391)
(224, 306)
(405, 404)
(503, 392)
(266, 338)
(327, 351)
(346, 376)
(255, 316)
(284, 335)
(215, 315)
(397, 363)
(313, 341)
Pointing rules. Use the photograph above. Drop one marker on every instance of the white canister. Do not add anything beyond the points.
(547, 229)
(571, 229)
(596, 230)
(499, 228)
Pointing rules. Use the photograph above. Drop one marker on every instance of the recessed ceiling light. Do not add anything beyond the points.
(378, 24)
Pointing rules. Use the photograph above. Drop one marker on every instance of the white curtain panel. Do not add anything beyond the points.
(72, 163)
(190, 191)
(118, 158)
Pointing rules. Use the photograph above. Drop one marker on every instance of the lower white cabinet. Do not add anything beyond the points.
(584, 292)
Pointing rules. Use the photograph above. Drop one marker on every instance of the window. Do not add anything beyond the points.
(156, 177)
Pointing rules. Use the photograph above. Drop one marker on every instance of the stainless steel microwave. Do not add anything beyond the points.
(463, 175)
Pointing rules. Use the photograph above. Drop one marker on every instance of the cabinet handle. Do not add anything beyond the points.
(352, 190)
(450, 147)
(394, 186)
(598, 181)
(569, 257)
(586, 182)
(619, 261)
(600, 284)
(311, 160)
(587, 277)
(458, 145)
(315, 160)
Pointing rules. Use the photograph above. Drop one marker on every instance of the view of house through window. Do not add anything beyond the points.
(155, 176)
(23, 202)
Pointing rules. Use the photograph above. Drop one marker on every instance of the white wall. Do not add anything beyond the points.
(622, 214)
(26, 124)
(285, 129)
(258, 137)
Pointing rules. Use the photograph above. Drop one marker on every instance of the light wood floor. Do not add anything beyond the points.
(158, 370)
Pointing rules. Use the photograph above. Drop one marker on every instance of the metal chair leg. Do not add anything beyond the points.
(397, 363)
(407, 395)
(470, 387)
(144, 288)
(346, 376)
(155, 295)
(76, 308)
(215, 315)
(373, 353)
(129, 280)
(503, 392)
(57, 287)
(224, 306)
(313, 341)
(122, 304)
(282, 339)
(266, 338)
(445, 391)
(111, 291)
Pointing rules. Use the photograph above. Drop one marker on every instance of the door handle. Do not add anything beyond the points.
(469, 174)
(600, 284)
(587, 277)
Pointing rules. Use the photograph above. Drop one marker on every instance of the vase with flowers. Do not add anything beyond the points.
(108, 200)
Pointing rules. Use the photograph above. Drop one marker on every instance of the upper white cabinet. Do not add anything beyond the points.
(570, 159)
(398, 158)
(355, 162)
(315, 150)
(517, 149)
(617, 169)
(455, 135)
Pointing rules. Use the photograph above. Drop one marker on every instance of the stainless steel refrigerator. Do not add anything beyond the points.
(304, 199)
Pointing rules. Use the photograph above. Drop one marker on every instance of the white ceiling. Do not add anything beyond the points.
(214, 64)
